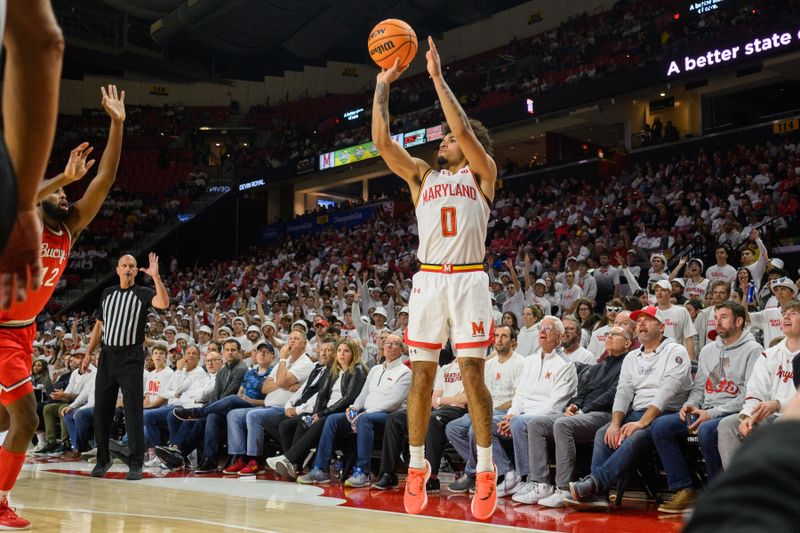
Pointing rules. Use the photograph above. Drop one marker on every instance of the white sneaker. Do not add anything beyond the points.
(272, 462)
(524, 487)
(39, 447)
(510, 484)
(155, 462)
(539, 492)
(556, 499)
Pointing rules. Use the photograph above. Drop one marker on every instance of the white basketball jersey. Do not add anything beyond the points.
(452, 215)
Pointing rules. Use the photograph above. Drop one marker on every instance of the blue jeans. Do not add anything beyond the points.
(608, 464)
(460, 434)
(154, 421)
(185, 435)
(501, 460)
(215, 414)
(246, 429)
(337, 424)
(667, 431)
(80, 423)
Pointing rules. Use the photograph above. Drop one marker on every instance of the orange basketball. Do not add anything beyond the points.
(390, 39)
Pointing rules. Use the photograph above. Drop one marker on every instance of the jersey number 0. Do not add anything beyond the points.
(449, 228)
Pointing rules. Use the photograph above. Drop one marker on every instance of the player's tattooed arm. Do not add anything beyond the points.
(396, 157)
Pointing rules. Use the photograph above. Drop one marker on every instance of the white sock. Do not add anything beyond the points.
(485, 463)
(417, 457)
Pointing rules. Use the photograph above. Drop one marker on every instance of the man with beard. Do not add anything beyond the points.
(724, 368)
(62, 225)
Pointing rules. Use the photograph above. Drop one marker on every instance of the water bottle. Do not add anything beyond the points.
(336, 469)
(751, 293)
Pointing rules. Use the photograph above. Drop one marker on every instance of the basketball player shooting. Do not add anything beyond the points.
(450, 294)
(62, 225)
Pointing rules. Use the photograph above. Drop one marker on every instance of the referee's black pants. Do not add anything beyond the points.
(120, 368)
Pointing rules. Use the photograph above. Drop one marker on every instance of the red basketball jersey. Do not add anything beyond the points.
(55, 253)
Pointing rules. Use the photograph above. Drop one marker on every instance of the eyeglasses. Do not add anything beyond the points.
(613, 309)
(547, 327)
(215, 360)
(392, 343)
(618, 334)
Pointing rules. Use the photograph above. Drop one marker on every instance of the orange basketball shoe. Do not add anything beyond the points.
(416, 497)
(484, 502)
(9, 521)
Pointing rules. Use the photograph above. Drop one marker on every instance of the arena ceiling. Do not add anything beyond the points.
(256, 37)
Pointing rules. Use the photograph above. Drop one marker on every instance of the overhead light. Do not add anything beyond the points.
(662, 93)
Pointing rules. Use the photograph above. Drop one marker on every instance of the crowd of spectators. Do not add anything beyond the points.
(582, 49)
(276, 344)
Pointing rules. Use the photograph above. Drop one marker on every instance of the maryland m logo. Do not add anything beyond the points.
(478, 329)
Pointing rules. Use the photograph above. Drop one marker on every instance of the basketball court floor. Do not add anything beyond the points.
(61, 497)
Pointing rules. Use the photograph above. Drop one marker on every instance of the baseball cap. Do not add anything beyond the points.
(404, 309)
(664, 284)
(205, 329)
(658, 256)
(68, 336)
(301, 323)
(498, 281)
(541, 282)
(777, 262)
(79, 349)
(240, 319)
(253, 328)
(679, 281)
(268, 345)
(269, 323)
(183, 336)
(59, 328)
(784, 282)
(651, 311)
(696, 260)
(380, 311)
(173, 329)
(226, 329)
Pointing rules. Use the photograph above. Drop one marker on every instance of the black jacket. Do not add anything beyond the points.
(352, 383)
(597, 391)
(229, 379)
(316, 379)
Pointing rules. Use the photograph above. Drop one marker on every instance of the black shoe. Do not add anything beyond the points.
(100, 470)
(49, 448)
(432, 486)
(208, 466)
(134, 473)
(120, 450)
(386, 481)
(59, 450)
(171, 456)
(186, 415)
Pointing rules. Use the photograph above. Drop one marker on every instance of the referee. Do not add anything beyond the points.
(122, 317)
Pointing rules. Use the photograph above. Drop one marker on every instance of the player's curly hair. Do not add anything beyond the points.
(481, 133)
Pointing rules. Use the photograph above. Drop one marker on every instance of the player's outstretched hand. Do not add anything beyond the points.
(388, 75)
(21, 261)
(78, 166)
(152, 269)
(434, 65)
(114, 103)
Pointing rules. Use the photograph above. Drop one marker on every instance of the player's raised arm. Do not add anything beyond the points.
(479, 160)
(396, 157)
(85, 209)
(76, 168)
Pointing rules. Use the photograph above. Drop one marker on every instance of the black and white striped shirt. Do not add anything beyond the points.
(124, 314)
